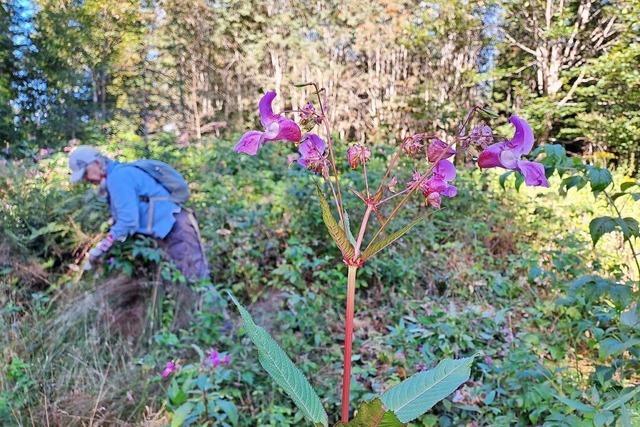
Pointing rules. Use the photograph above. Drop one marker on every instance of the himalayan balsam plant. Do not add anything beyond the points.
(433, 181)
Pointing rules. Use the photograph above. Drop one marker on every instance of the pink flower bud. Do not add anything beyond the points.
(434, 200)
(357, 155)
(413, 145)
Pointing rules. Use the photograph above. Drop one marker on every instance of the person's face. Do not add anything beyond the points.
(94, 173)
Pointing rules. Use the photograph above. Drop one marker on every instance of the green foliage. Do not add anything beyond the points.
(274, 360)
(373, 414)
(417, 394)
(336, 232)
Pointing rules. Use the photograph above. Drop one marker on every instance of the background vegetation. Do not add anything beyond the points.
(513, 276)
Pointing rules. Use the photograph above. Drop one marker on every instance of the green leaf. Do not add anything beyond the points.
(603, 418)
(229, 408)
(418, 393)
(519, 181)
(337, 233)
(276, 362)
(373, 414)
(381, 243)
(503, 179)
(612, 346)
(575, 404)
(600, 226)
(630, 317)
(627, 185)
(629, 227)
(621, 400)
(570, 182)
(600, 178)
(347, 227)
(625, 417)
(181, 414)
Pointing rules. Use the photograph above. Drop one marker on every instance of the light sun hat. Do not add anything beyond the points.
(79, 159)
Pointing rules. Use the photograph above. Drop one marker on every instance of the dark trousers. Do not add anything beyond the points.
(184, 246)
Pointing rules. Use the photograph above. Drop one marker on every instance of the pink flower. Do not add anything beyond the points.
(312, 154)
(358, 154)
(438, 150)
(169, 369)
(276, 128)
(215, 359)
(508, 155)
(437, 185)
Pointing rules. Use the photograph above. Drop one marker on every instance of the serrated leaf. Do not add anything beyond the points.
(337, 233)
(418, 393)
(382, 242)
(284, 372)
(373, 414)
(575, 404)
(600, 226)
(599, 178)
(620, 400)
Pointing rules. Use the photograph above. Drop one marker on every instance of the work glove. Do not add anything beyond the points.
(101, 248)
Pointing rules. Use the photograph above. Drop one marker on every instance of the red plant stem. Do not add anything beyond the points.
(348, 339)
(349, 313)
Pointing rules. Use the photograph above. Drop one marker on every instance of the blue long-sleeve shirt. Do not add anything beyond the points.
(130, 190)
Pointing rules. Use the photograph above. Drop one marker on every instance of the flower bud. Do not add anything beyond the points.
(357, 155)
(413, 145)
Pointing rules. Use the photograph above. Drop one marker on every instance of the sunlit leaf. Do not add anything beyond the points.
(337, 233)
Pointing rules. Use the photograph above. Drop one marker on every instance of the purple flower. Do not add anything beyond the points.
(215, 359)
(169, 369)
(312, 154)
(438, 150)
(507, 155)
(276, 128)
(358, 154)
(437, 185)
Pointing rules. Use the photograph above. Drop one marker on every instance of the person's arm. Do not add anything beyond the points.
(124, 202)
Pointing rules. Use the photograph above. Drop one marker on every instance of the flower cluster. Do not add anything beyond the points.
(313, 151)
(215, 359)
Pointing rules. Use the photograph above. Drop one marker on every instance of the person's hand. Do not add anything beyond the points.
(103, 246)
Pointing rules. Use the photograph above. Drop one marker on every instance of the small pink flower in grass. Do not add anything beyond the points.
(438, 150)
(276, 128)
(437, 185)
(508, 155)
(358, 155)
(215, 359)
(169, 369)
(312, 154)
